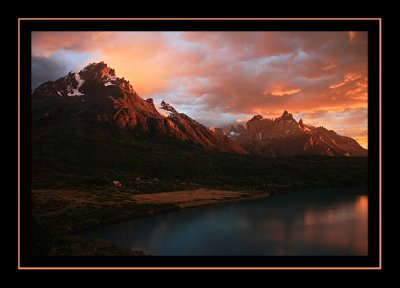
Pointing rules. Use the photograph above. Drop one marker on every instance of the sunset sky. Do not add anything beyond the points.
(223, 78)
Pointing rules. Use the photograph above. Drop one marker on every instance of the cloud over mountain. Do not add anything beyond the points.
(221, 77)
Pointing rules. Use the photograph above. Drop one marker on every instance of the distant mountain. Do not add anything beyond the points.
(284, 136)
(96, 97)
(235, 132)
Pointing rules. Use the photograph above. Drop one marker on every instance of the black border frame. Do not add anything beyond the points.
(372, 261)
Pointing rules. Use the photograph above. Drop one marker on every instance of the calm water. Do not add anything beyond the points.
(313, 222)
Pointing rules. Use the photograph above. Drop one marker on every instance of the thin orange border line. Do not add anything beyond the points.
(200, 268)
(380, 142)
(19, 140)
(139, 19)
(210, 268)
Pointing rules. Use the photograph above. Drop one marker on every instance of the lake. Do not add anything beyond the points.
(307, 222)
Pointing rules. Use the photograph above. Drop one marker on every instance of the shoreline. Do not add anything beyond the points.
(249, 196)
(231, 201)
(73, 211)
(237, 200)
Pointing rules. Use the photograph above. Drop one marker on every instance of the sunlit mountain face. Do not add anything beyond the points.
(95, 98)
(284, 136)
(225, 78)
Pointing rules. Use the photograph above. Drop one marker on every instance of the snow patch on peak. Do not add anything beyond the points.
(160, 109)
(79, 80)
(111, 78)
(75, 91)
(165, 109)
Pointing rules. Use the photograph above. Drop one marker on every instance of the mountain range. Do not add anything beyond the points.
(96, 97)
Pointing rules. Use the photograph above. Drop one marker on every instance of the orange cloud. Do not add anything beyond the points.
(280, 92)
(329, 67)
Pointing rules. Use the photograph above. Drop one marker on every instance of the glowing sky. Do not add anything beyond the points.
(222, 78)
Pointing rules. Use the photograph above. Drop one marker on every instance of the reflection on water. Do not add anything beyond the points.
(313, 222)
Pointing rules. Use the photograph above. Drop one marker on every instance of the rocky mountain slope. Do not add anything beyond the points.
(284, 136)
(96, 97)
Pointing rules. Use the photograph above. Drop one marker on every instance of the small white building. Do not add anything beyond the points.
(117, 184)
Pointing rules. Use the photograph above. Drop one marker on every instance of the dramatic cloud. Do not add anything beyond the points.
(57, 65)
(220, 78)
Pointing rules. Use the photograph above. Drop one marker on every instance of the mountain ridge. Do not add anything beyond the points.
(284, 136)
(95, 94)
